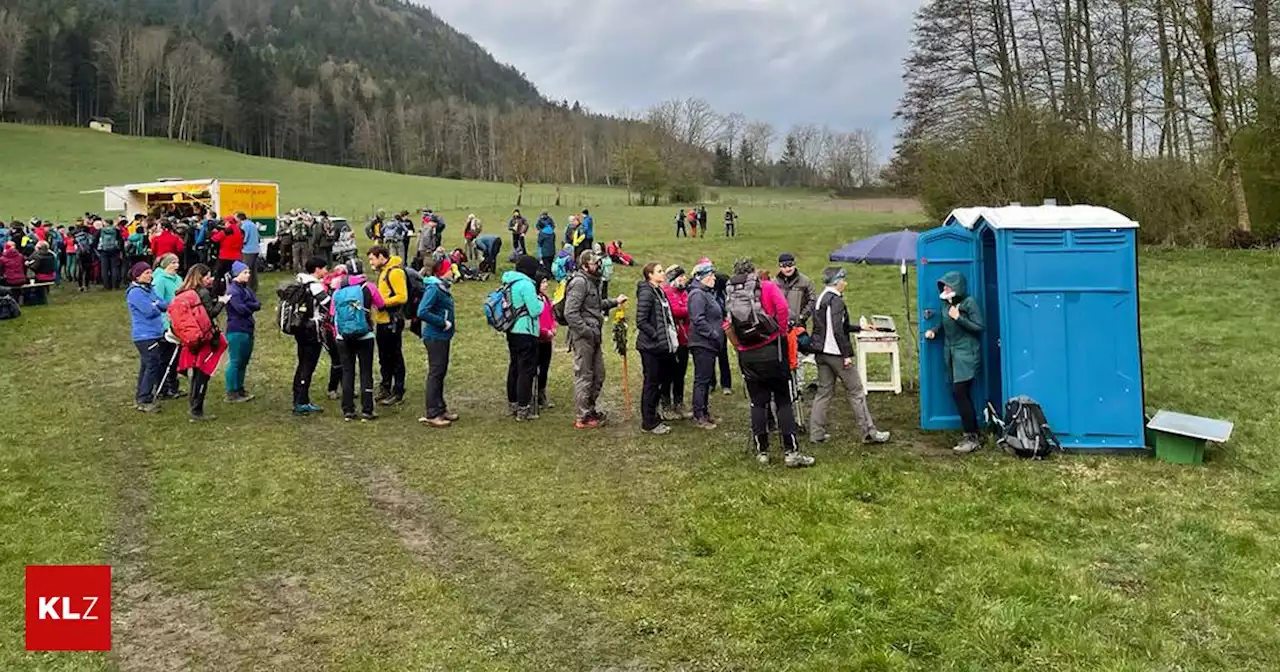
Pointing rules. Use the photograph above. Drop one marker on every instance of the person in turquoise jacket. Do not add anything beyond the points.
(165, 282)
(961, 329)
(439, 322)
(522, 340)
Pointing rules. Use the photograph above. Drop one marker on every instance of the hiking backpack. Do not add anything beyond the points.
(297, 308)
(416, 287)
(84, 243)
(189, 320)
(8, 306)
(750, 324)
(500, 310)
(138, 248)
(109, 239)
(350, 316)
(557, 302)
(300, 230)
(1024, 430)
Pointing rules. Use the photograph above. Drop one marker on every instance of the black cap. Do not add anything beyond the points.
(786, 258)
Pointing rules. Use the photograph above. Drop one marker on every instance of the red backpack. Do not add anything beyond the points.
(190, 320)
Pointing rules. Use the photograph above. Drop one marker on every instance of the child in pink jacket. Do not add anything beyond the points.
(546, 335)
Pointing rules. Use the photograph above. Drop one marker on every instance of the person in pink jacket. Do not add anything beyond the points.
(765, 365)
(356, 353)
(546, 336)
(672, 394)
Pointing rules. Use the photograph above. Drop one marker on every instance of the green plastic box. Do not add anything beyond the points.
(1181, 438)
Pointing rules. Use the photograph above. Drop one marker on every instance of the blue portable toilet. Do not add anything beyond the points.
(1058, 288)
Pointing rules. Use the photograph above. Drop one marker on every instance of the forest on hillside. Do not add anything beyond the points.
(1166, 110)
(379, 84)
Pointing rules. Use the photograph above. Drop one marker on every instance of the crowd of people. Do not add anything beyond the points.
(697, 316)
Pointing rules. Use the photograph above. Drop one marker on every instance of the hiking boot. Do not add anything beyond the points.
(543, 400)
(512, 407)
(728, 392)
(970, 443)
(704, 423)
(148, 408)
(333, 395)
(660, 430)
(392, 400)
(761, 443)
(368, 417)
(380, 394)
(586, 423)
(668, 414)
(522, 413)
(683, 413)
(312, 408)
(450, 416)
(239, 398)
(876, 437)
(348, 417)
(435, 422)
(301, 411)
(819, 438)
(202, 417)
(798, 460)
(600, 416)
(170, 396)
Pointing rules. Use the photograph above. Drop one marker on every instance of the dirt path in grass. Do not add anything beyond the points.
(154, 628)
(538, 623)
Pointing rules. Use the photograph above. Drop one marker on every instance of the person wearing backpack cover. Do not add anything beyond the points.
(706, 340)
(522, 339)
(194, 314)
(546, 241)
(584, 312)
(439, 323)
(835, 360)
(165, 282)
(393, 286)
(656, 341)
(352, 309)
(146, 315)
(961, 327)
(240, 329)
(672, 397)
(756, 322)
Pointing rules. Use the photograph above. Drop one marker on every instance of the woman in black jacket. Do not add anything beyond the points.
(656, 342)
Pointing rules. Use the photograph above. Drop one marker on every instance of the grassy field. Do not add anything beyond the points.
(262, 541)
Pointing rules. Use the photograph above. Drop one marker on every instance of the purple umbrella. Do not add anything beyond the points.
(897, 247)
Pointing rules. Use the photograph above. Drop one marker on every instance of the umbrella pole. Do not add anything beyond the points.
(906, 298)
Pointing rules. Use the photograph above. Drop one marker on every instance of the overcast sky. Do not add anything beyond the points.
(835, 62)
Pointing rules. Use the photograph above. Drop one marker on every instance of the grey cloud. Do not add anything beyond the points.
(802, 61)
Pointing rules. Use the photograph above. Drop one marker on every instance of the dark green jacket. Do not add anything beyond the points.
(963, 348)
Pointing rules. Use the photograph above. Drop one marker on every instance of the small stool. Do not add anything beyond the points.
(880, 342)
(1180, 438)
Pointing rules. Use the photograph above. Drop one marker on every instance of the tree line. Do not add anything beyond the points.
(242, 76)
(1163, 109)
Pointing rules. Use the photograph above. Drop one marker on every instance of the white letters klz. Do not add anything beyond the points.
(48, 609)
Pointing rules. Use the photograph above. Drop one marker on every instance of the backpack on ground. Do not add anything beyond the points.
(297, 309)
(500, 310)
(8, 306)
(109, 239)
(350, 316)
(1024, 430)
(750, 324)
(190, 321)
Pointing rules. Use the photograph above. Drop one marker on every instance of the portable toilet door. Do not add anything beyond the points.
(938, 252)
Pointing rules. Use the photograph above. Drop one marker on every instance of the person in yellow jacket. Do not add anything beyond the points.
(393, 284)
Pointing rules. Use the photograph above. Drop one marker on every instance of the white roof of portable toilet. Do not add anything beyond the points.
(1042, 217)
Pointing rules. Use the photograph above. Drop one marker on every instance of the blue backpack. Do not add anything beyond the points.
(500, 311)
(350, 315)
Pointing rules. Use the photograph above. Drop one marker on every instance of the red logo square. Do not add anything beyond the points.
(68, 607)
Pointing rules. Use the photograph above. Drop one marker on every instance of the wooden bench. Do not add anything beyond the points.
(34, 293)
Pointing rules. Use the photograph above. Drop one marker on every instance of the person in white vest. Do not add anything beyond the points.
(835, 359)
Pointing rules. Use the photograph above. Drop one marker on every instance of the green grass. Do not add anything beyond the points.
(262, 541)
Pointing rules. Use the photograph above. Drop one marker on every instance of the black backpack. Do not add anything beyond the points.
(751, 325)
(8, 306)
(1024, 430)
(297, 308)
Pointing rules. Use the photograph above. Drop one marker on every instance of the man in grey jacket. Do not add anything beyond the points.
(835, 359)
(584, 310)
(797, 288)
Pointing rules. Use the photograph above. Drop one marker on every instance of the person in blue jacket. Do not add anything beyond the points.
(252, 247)
(546, 240)
(146, 315)
(586, 227)
(436, 310)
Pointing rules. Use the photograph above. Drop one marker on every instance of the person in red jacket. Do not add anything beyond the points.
(167, 242)
(765, 364)
(230, 241)
(13, 266)
(672, 393)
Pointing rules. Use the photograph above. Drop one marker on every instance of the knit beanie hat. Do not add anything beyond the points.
(528, 266)
(138, 269)
(703, 269)
(744, 267)
(674, 273)
(238, 267)
(832, 275)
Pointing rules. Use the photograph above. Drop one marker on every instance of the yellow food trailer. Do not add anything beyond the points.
(259, 201)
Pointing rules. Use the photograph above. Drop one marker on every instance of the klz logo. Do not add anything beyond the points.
(68, 608)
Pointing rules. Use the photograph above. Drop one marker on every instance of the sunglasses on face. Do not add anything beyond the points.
(788, 265)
